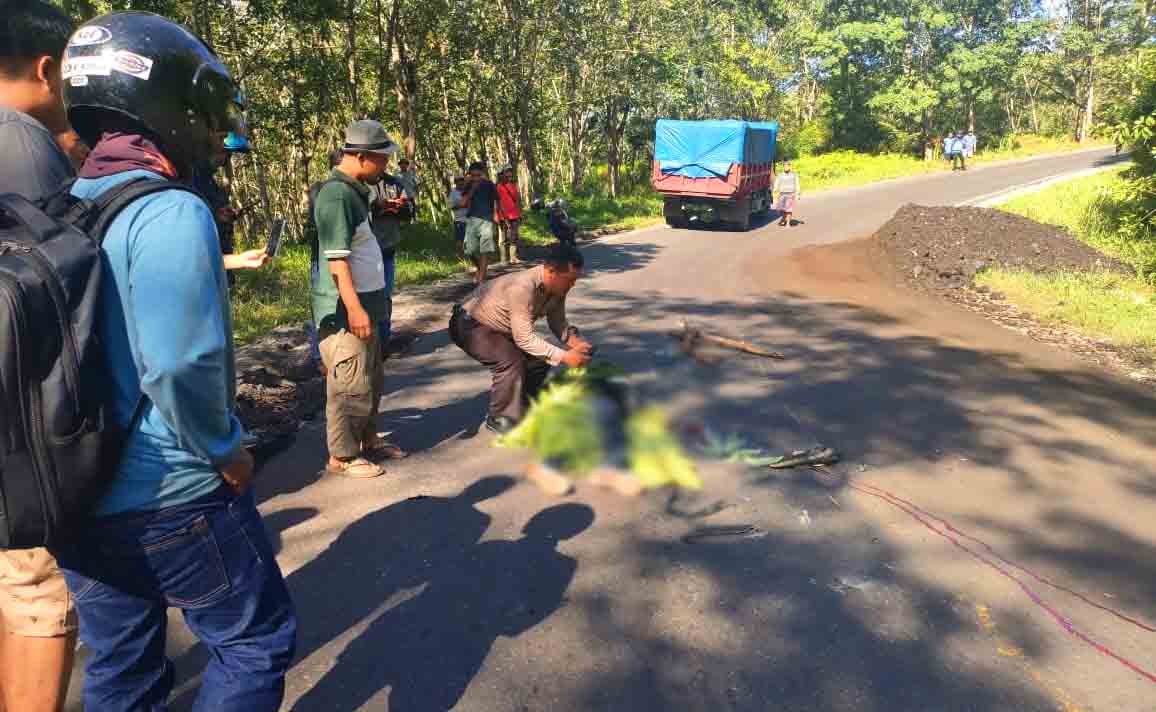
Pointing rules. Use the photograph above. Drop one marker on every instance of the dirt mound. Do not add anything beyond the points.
(942, 248)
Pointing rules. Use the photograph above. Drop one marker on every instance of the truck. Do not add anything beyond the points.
(714, 172)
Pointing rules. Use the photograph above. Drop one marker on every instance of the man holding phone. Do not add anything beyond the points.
(349, 300)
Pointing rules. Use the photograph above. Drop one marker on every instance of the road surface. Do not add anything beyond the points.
(451, 584)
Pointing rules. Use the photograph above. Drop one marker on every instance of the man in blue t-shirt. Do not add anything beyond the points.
(480, 201)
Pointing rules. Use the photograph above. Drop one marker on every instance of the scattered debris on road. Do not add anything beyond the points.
(692, 339)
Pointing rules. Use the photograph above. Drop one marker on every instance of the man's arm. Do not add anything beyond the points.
(522, 328)
(180, 325)
(359, 324)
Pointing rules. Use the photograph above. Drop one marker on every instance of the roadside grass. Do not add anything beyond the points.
(278, 293)
(1087, 208)
(842, 169)
(1099, 304)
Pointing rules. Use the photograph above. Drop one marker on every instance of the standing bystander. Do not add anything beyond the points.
(349, 305)
(480, 199)
(509, 214)
(37, 619)
(388, 204)
(454, 200)
(178, 526)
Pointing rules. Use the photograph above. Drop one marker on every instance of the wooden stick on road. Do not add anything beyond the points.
(690, 337)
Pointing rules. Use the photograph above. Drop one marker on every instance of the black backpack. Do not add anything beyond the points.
(58, 445)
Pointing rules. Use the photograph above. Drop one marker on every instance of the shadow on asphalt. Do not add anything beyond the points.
(802, 617)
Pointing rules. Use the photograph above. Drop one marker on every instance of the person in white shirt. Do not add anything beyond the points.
(460, 214)
(789, 188)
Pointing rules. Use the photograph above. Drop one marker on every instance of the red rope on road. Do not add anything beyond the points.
(915, 513)
(1029, 572)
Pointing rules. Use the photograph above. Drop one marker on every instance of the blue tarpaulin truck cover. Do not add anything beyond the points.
(708, 149)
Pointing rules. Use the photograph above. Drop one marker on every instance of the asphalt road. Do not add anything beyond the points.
(451, 584)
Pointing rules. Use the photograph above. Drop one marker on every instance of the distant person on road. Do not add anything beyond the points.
(789, 188)
(495, 326)
(454, 200)
(955, 148)
(509, 214)
(481, 200)
(969, 143)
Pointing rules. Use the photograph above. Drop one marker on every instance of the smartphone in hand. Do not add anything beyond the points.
(274, 244)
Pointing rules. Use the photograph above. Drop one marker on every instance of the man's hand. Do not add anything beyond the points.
(359, 323)
(249, 259)
(238, 474)
(575, 359)
(577, 343)
(226, 215)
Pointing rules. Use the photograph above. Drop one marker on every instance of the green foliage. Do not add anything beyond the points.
(655, 456)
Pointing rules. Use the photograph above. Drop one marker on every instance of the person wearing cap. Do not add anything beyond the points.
(177, 526)
(349, 300)
(509, 214)
(460, 213)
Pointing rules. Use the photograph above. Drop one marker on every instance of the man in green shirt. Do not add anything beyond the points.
(349, 299)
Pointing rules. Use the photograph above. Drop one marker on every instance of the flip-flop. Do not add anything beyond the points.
(380, 446)
(357, 469)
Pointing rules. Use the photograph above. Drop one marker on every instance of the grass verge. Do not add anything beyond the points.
(1098, 304)
(1102, 305)
(1087, 208)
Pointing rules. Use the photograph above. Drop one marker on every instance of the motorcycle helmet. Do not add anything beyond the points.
(140, 71)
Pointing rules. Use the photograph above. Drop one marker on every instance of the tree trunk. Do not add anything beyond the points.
(1088, 112)
(351, 56)
(407, 91)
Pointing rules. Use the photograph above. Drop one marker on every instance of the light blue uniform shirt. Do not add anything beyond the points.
(166, 330)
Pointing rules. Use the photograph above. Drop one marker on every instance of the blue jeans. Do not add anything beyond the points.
(211, 559)
(385, 326)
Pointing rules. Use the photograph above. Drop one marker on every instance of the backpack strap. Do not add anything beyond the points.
(29, 214)
(111, 202)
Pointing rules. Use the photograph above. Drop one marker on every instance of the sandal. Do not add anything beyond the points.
(356, 469)
(378, 445)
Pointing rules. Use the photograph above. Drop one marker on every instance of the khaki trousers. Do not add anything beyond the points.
(354, 381)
